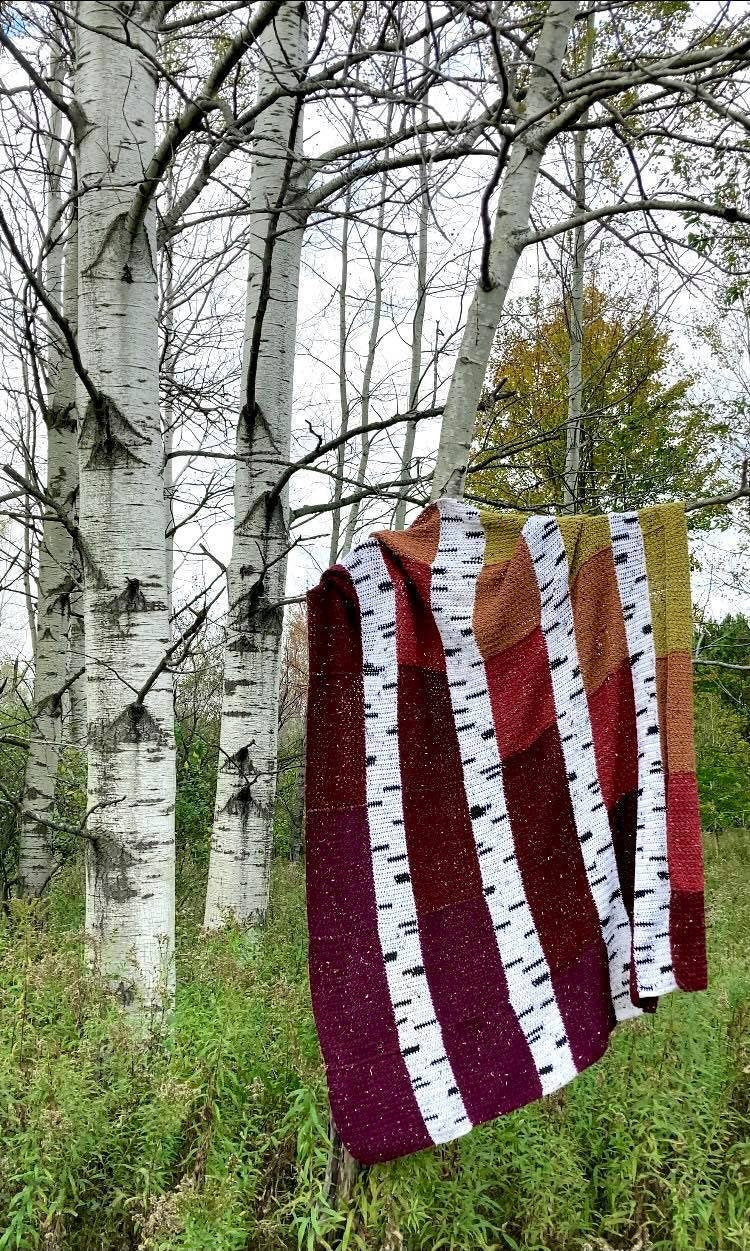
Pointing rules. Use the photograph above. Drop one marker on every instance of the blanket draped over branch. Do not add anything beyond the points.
(503, 845)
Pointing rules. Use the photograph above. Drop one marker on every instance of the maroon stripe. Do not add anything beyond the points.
(484, 1042)
(554, 876)
(520, 690)
(687, 932)
(612, 713)
(335, 764)
(687, 925)
(582, 991)
(372, 1100)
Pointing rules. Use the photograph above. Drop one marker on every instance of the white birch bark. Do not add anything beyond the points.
(417, 326)
(511, 222)
(56, 573)
(343, 381)
(131, 762)
(241, 845)
(75, 725)
(571, 473)
(168, 433)
(372, 344)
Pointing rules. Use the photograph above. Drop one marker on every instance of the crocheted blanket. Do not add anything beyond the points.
(502, 844)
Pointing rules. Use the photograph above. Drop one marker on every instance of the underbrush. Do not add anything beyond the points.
(213, 1133)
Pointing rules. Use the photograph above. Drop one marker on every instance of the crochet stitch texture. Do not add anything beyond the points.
(503, 850)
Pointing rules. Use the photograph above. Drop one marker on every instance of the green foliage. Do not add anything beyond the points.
(197, 761)
(727, 642)
(13, 732)
(722, 723)
(289, 810)
(644, 435)
(723, 762)
(70, 793)
(213, 1136)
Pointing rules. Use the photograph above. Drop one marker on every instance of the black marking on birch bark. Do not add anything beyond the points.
(113, 867)
(61, 417)
(134, 724)
(108, 436)
(130, 600)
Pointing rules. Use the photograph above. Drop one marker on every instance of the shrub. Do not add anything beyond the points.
(213, 1136)
(723, 763)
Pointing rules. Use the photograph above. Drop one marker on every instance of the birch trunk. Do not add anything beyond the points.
(575, 365)
(343, 381)
(76, 724)
(238, 880)
(571, 476)
(75, 728)
(417, 321)
(56, 573)
(168, 374)
(168, 431)
(372, 345)
(131, 767)
(511, 222)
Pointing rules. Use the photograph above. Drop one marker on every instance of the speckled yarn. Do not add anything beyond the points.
(503, 852)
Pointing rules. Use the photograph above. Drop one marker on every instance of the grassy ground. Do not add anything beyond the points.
(214, 1136)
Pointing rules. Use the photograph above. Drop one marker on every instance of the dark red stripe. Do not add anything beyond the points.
(484, 1042)
(615, 734)
(684, 844)
(372, 1100)
(687, 933)
(520, 690)
(554, 876)
(612, 713)
(685, 852)
(335, 765)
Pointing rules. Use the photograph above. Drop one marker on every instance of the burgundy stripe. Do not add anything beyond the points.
(687, 932)
(582, 990)
(612, 714)
(541, 816)
(685, 850)
(484, 1042)
(372, 1100)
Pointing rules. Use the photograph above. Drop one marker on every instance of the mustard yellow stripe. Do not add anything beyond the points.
(584, 536)
(502, 532)
(667, 560)
(668, 568)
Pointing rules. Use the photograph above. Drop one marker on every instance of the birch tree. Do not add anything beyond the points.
(241, 845)
(684, 89)
(57, 572)
(131, 783)
(417, 325)
(573, 433)
(502, 251)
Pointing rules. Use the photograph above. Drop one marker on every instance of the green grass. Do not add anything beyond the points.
(214, 1136)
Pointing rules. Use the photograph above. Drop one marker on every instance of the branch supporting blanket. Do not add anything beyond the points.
(502, 841)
